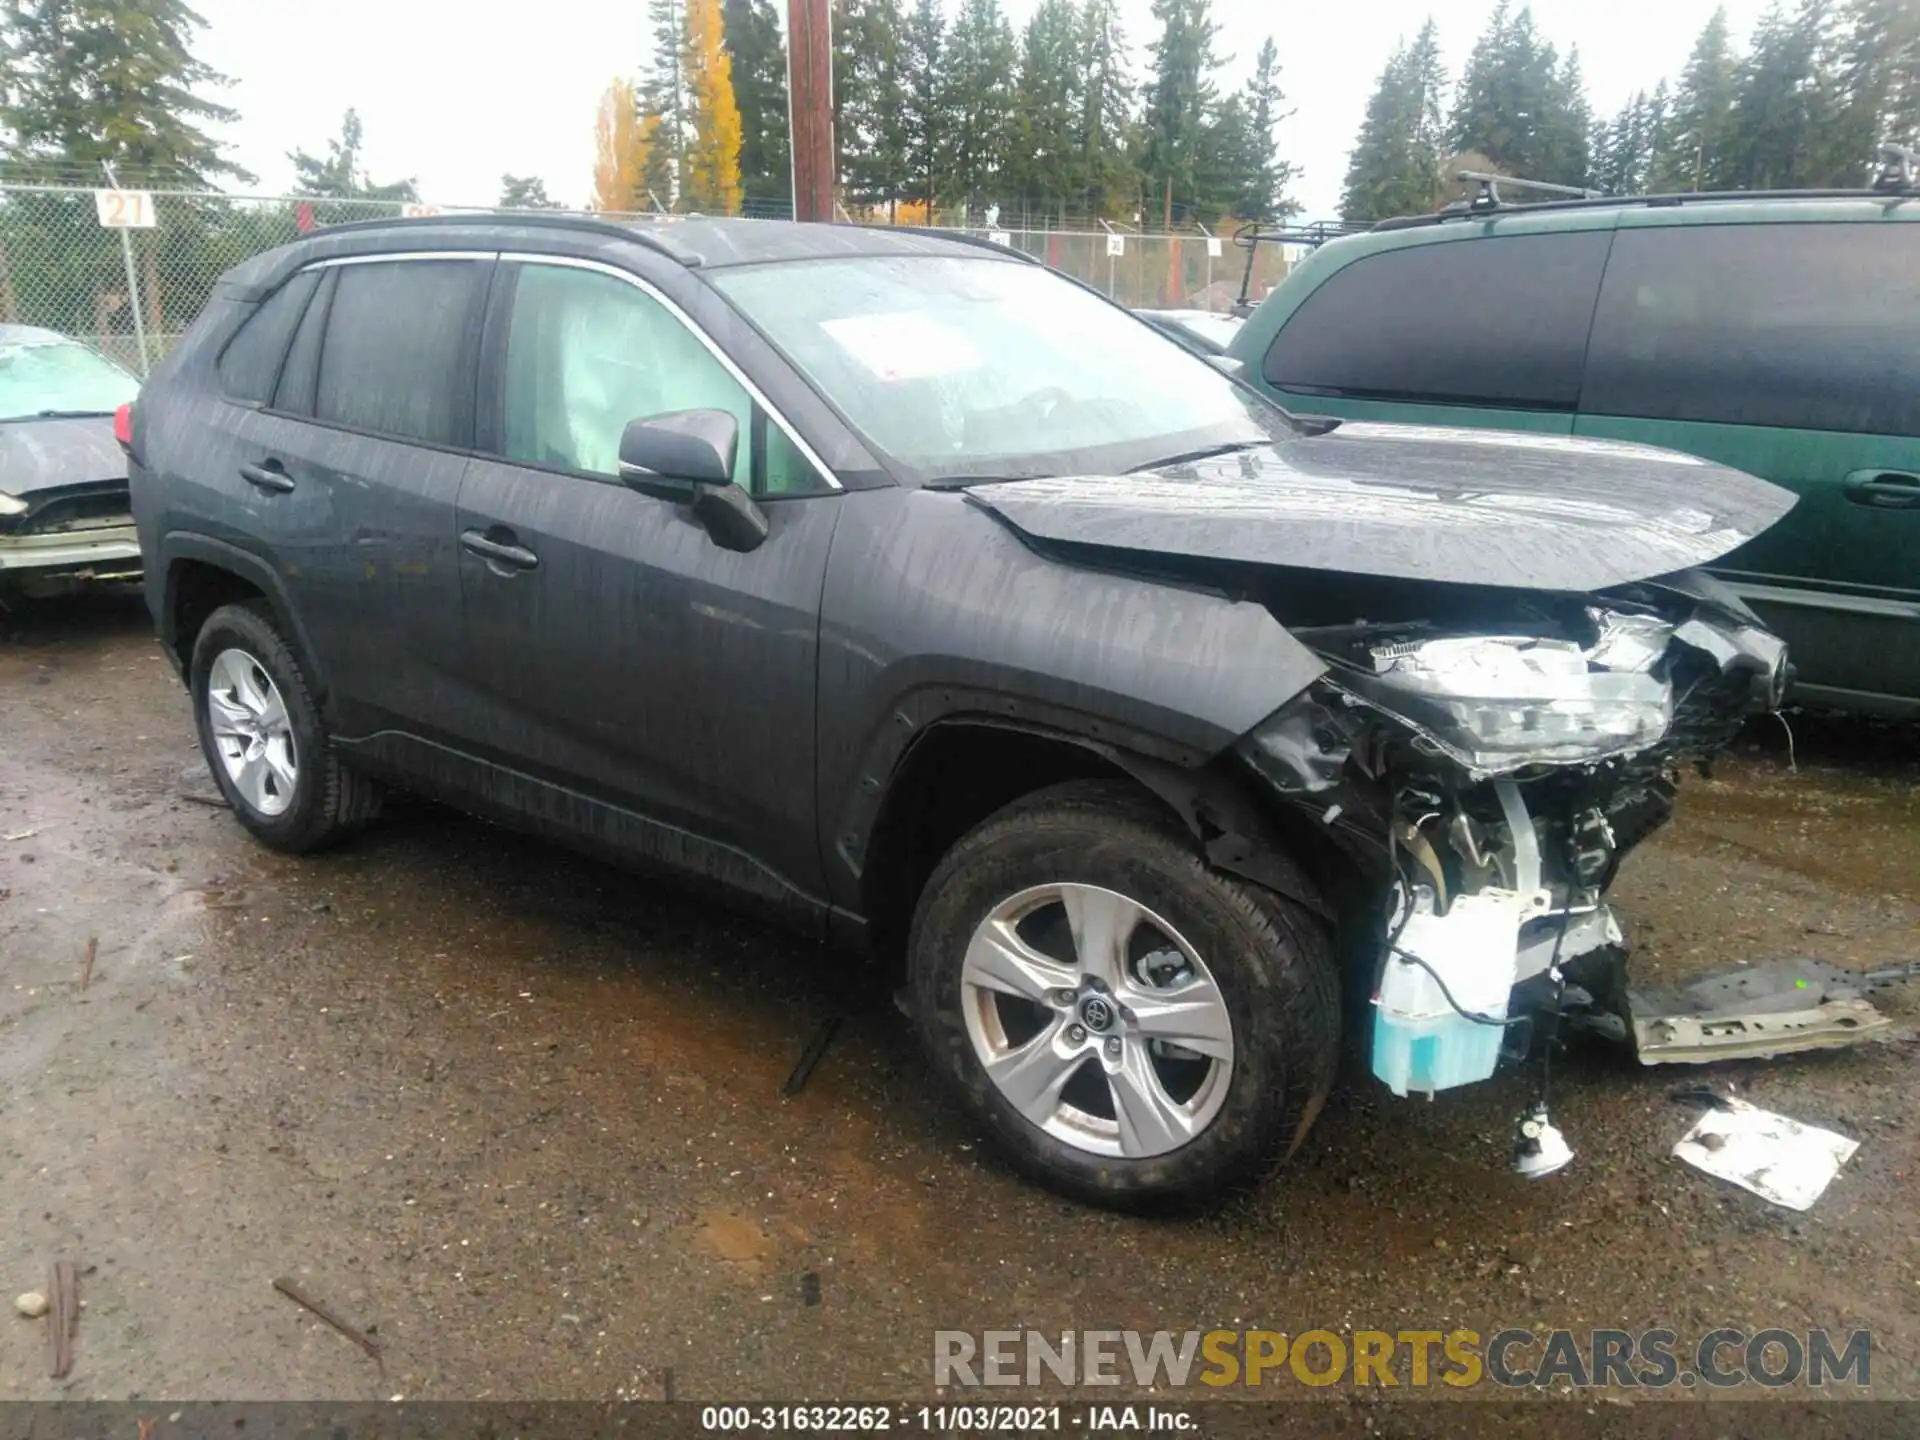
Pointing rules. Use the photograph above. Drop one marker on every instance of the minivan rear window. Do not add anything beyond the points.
(396, 347)
(1809, 326)
(1499, 322)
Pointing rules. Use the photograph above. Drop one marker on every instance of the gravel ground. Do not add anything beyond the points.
(520, 1115)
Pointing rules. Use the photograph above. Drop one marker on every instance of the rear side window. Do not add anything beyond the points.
(294, 393)
(398, 343)
(250, 365)
(1816, 327)
(1488, 322)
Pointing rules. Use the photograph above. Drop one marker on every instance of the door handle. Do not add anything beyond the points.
(1884, 489)
(517, 557)
(268, 475)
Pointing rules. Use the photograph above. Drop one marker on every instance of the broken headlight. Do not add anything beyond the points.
(1497, 703)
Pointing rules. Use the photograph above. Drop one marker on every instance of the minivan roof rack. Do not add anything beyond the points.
(1489, 196)
(1265, 232)
(1897, 180)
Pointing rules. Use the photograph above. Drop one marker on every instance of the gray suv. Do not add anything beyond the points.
(926, 601)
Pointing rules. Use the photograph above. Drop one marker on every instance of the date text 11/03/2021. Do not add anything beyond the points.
(946, 1419)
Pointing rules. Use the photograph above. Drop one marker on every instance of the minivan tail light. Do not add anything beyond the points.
(123, 426)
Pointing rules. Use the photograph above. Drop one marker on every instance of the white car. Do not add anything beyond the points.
(64, 517)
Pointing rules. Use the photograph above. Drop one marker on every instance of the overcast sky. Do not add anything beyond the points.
(456, 95)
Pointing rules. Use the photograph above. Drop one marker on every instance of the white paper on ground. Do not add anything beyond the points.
(1776, 1158)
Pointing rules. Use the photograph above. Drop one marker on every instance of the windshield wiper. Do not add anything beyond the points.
(967, 482)
(58, 415)
(1189, 456)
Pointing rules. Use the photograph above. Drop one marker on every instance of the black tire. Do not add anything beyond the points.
(328, 801)
(1270, 958)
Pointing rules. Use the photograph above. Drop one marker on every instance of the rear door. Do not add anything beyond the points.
(1473, 330)
(1791, 351)
(356, 464)
(653, 689)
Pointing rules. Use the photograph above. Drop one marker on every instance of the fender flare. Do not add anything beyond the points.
(187, 545)
(1230, 828)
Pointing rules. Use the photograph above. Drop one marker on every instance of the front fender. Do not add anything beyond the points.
(934, 610)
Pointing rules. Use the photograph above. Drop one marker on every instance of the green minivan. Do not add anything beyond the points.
(1776, 333)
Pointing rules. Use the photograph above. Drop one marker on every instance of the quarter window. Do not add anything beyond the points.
(397, 347)
(1499, 322)
(1810, 326)
(250, 364)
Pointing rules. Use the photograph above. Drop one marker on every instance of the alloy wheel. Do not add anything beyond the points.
(1097, 1020)
(251, 732)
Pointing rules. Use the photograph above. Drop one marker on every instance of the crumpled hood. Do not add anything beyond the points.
(53, 454)
(1416, 502)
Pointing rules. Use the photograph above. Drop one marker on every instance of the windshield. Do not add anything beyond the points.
(41, 375)
(963, 367)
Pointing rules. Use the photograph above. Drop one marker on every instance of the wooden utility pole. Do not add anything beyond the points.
(810, 107)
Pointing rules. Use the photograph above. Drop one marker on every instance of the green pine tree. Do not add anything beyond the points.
(1105, 133)
(1786, 110)
(114, 81)
(1700, 128)
(1395, 168)
(977, 101)
(1518, 106)
(759, 55)
(339, 174)
(869, 98)
(524, 192)
(663, 100)
(923, 119)
(1044, 160)
(1262, 192)
(1180, 104)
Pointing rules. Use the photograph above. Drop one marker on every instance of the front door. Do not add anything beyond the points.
(637, 679)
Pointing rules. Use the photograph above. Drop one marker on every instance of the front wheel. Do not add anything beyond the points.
(1134, 1028)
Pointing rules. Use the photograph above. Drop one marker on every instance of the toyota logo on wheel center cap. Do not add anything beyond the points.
(1097, 1014)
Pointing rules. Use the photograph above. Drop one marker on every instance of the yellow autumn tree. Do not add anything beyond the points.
(621, 141)
(712, 181)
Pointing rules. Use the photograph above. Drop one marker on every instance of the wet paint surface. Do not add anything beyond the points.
(522, 1113)
(1418, 503)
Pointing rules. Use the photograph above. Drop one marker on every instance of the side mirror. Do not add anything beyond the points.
(686, 456)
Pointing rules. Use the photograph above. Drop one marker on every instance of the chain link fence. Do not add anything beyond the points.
(131, 292)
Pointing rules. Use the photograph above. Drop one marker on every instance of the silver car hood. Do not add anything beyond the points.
(1419, 503)
(53, 454)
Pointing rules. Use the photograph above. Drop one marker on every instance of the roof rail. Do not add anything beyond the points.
(1460, 210)
(546, 220)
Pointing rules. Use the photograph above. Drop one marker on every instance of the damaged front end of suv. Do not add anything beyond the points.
(1491, 781)
(1518, 655)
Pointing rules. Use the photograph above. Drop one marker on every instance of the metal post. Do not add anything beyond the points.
(810, 107)
(1208, 292)
(133, 284)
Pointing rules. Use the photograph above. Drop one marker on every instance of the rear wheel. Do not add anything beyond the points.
(1133, 1028)
(263, 737)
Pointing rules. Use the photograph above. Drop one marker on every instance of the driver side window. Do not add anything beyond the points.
(586, 353)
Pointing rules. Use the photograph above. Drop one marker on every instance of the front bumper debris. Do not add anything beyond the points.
(104, 553)
(1781, 1007)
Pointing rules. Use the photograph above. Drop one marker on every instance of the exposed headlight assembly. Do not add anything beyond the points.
(1498, 703)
